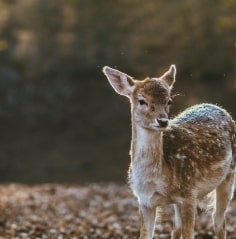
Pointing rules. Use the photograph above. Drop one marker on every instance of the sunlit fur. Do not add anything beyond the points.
(177, 161)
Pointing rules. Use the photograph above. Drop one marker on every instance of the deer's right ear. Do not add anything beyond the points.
(121, 83)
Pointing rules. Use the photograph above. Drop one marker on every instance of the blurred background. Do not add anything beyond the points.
(60, 121)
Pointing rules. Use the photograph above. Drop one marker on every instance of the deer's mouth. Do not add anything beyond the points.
(157, 127)
(161, 127)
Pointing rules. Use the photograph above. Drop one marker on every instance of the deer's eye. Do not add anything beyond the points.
(142, 102)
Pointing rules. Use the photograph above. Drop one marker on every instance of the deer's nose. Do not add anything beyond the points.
(163, 122)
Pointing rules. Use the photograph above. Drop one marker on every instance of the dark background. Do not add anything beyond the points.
(60, 121)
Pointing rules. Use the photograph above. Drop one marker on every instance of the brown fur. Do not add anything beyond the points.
(179, 164)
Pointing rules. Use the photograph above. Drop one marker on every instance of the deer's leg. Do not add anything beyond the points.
(176, 233)
(148, 219)
(187, 214)
(224, 193)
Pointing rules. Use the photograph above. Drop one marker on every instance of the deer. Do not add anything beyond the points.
(177, 161)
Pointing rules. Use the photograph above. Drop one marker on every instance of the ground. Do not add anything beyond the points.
(82, 212)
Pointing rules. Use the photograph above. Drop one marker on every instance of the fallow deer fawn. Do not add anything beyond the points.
(177, 161)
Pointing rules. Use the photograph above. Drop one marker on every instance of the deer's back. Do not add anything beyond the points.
(204, 114)
(198, 147)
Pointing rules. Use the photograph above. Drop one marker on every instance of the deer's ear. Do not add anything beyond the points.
(169, 76)
(121, 83)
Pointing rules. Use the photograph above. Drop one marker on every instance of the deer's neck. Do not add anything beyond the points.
(146, 147)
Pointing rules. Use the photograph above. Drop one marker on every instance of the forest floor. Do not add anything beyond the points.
(89, 211)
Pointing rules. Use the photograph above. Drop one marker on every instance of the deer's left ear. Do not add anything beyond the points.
(169, 76)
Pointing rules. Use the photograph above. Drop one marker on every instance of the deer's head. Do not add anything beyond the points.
(150, 98)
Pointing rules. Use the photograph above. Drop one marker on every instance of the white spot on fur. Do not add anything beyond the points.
(181, 156)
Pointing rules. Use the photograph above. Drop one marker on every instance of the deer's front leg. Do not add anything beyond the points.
(148, 219)
(187, 211)
(176, 233)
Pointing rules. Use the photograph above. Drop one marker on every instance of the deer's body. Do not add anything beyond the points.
(177, 161)
(192, 157)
